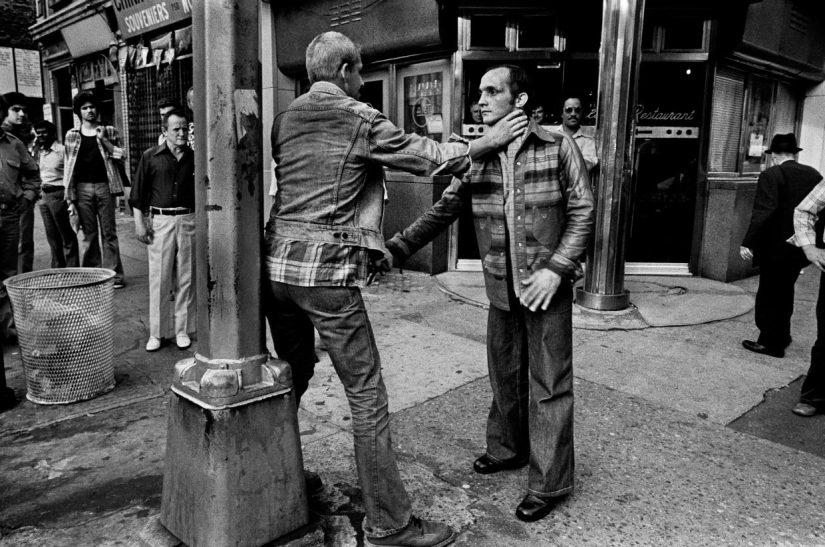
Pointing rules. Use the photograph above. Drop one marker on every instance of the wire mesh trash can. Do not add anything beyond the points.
(64, 320)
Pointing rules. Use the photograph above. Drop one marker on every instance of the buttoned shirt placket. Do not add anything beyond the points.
(514, 208)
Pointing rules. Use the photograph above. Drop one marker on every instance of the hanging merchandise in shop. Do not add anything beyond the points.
(137, 17)
(164, 49)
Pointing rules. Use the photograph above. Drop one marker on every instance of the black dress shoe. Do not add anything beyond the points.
(533, 508)
(485, 466)
(756, 347)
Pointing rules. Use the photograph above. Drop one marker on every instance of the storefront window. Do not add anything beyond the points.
(757, 122)
(488, 31)
(684, 34)
(424, 99)
(536, 31)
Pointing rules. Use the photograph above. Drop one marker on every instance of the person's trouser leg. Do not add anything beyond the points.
(341, 319)
(61, 237)
(774, 302)
(106, 207)
(161, 254)
(550, 341)
(9, 240)
(87, 210)
(292, 334)
(508, 437)
(25, 250)
(813, 388)
(185, 314)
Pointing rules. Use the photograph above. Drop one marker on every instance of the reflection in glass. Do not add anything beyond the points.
(423, 102)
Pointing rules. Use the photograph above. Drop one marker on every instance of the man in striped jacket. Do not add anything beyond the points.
(92, 178)
(533, 212)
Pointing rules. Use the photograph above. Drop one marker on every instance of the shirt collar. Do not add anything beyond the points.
(327, 87)
(161, 148)
(578, 132)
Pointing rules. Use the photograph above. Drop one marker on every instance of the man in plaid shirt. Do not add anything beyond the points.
(324, 239)
(812, 396)
(533, 212)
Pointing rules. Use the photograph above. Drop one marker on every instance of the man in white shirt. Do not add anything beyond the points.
(53, 206)
(571, 124)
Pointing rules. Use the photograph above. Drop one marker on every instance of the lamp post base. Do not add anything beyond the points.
(602, 302)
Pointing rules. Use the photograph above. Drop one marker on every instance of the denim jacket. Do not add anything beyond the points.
(542, 202)
(329, 150)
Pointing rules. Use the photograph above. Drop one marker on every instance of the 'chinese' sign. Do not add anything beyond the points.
(136, 17)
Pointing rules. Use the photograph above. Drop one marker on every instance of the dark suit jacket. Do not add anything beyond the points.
(779, 190)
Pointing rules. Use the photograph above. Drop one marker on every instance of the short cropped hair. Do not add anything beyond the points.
(82, 98)
(166, 102)
(50, 128)
(327, 53)
(13, 98)
(174, 112)
(519, 81)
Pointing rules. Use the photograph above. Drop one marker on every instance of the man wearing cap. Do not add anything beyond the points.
(779, 190)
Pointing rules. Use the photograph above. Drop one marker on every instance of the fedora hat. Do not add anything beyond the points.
(784, 144)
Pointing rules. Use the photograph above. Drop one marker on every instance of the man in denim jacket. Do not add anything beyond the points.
(324, 239)
(533, 213)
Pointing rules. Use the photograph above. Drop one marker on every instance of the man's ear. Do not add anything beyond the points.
(521, 100)
(344, 72)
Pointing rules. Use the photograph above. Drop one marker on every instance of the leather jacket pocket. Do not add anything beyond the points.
(545, 223)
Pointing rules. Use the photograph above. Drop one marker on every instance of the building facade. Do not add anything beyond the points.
(717, 80)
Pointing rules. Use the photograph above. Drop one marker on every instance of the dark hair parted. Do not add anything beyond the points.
(82, 98)
(14, 98)
(50, 128)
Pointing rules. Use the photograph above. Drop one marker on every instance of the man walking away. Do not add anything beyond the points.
(533, 212)
(323, 239)
(53, 207)
(779, 190)
(92, 181)
(812, 396)
(164, 195)
(17, 123)
(19, 187)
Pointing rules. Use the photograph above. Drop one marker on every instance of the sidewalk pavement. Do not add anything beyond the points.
(665, 452)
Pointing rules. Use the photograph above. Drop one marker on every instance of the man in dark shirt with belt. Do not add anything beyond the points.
(163, 201)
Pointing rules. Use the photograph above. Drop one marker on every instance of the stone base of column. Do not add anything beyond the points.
(602, 302)
(233, 476)
(154, 534)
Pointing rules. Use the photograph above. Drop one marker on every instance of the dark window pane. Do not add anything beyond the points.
(536, 31)
(648, 30)
(584, 38)
(373, 94)
(488, 31)
(684, 33)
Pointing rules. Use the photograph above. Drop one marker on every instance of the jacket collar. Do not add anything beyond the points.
(327, 87)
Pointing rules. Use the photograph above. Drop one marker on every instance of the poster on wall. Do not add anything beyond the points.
(29, 77)
(7, 79)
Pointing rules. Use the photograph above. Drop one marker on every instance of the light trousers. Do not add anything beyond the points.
(173, 248)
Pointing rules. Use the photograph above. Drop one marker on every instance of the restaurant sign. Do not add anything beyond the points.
(137, 17)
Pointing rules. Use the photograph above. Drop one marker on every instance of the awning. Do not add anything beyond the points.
(88, 35)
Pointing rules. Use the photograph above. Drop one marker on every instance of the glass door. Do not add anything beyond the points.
(424, 99)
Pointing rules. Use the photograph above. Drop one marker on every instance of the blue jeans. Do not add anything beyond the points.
(95, 204)
(9, 239)
(530, 357)
(341, 319)
(59, 233)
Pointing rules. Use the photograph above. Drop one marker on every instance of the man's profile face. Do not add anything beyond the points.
(16, 114)
(538, 114)
(475, 112)
(176, 131)
(496, 99)
(353, 81)
(572, 113)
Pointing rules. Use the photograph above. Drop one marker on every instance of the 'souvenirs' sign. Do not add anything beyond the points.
(136, 17)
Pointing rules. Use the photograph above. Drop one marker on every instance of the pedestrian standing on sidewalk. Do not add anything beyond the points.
(806, 215)
(323, 240)
(165, 106)
(163, 204)
(17, 123)
(19, 187)
(92, 180)
(779, 190)
(53, 207)
(533, 211)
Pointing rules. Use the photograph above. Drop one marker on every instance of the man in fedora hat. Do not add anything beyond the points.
(779, 190)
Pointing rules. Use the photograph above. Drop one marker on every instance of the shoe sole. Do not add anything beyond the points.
(368, 543)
